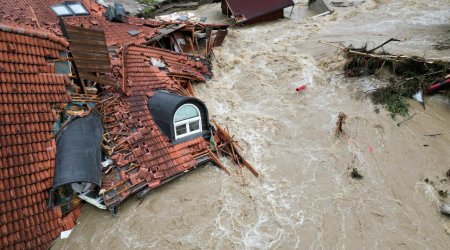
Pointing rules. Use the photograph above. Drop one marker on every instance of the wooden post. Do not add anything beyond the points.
(124, 69)
(217, 161)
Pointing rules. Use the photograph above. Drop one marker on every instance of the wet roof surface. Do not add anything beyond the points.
(29, 89)
(141, 142)
(39, 14)
(32, 95)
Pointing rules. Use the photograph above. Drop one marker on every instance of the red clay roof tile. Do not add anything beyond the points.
(26, 165)
(158, 159)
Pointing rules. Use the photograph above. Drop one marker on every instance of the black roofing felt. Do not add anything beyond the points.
(78, 153)
(163, 105)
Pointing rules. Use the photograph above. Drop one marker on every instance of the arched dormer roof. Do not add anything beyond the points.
(163, 105)
(78, 156)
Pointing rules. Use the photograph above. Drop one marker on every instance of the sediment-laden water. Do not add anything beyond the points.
(305, 197)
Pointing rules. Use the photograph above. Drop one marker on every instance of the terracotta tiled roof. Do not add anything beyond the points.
(141, 150)
(143, 76)
(32, 94)
(30, 91)
(116, 33)
(39, 14)
(180, 65)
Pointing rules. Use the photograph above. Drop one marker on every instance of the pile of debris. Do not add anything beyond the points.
(408, 76)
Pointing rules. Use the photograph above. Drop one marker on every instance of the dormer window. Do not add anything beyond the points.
(70, 9)
(180, 118)
(187, 121)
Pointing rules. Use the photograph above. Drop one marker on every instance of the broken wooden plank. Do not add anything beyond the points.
(217, 161)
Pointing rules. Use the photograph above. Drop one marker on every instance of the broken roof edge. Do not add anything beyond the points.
(146, 46)
(32, 32)
(244, 20)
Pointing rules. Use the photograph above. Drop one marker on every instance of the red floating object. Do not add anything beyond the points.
(300, 88)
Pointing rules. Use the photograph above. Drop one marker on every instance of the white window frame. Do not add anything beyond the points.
(77, 8)
(186, 123)
(61, 10)
(70, 8)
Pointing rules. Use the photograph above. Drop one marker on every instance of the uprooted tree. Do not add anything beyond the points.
(406, 75)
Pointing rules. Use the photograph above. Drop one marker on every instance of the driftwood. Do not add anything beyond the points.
(386, 56)
(229, 146)
(355, 174)
(216, 160)
(407, 119)
(433, 135)
(340, 122)
(405, 75)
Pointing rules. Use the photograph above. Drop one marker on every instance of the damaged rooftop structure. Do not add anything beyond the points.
(250, 11)
(97, 106)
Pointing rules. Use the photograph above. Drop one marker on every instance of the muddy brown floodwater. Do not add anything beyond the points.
(305, 197)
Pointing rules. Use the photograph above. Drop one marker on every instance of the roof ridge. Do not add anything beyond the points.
(32, 32)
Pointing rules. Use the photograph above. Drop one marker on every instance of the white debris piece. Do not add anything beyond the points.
(445, 208)
(418, 97)
(107, 163)
(176, 16)
(66, 234)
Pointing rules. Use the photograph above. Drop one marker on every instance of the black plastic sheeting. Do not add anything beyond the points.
(163, 105)
(78, 151)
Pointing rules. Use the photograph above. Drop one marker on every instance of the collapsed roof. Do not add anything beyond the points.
(44, 81)
(145, 158)
(130, 30)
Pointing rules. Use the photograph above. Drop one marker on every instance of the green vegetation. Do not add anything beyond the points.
(147, 2)
(145, 13)
(406, 75)
(148, 9)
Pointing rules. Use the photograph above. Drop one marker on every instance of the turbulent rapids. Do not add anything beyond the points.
(305, 197)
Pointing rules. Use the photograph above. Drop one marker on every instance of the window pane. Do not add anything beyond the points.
(62, 67)
(181, 129)
(194, 126)
(186, 112)
(77, 8)
(61, 10)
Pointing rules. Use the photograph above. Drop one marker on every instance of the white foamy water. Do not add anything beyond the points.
(305, 198)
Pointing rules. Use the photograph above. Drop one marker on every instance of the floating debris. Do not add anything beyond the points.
(355, 174)
(407, 119)
(445, 208)
(320, 6)
(300, 88)
(406, 75)
(340, 122)
(443, 194)
(433, 135)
